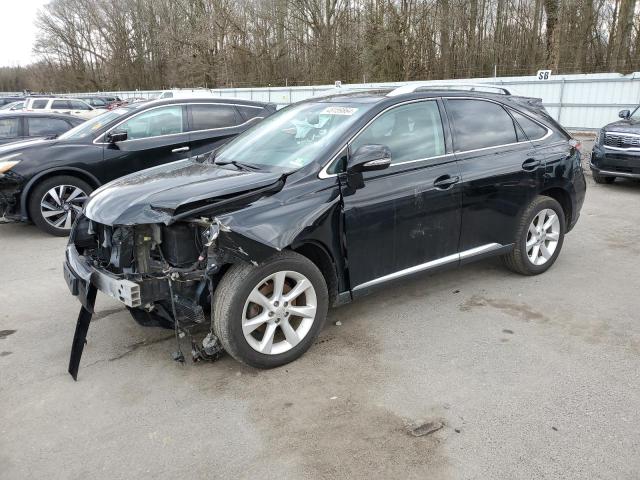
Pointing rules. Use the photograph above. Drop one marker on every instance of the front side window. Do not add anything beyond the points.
(154, 123)
(39, 104)
(480, 124)
(79, 105)
(40, 127)
(9, 127)
(206, 117)
(60, 105)
(293, 137)
(412, 132)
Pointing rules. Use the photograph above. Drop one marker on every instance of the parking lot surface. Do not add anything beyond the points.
(531, 377)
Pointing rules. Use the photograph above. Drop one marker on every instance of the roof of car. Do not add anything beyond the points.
(234, 101)
(20, 113)
(379, 95)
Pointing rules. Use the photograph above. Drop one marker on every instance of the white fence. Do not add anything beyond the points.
(576, 101)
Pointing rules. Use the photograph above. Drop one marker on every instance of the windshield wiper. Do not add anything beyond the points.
(240, 166)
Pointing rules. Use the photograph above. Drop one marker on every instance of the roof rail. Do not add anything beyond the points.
(413, 87)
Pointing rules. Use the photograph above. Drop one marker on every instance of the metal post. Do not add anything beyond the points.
(560, 102)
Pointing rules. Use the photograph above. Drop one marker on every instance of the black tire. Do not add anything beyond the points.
(517, 260)
(232, 293)
(39, 192)
(601, 179)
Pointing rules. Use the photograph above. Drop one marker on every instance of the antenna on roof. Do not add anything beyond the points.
(473, 87)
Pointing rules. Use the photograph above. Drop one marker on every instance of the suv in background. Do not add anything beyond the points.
(99, 101)
(256, 238)
(616, 152)
(71, 106)
(15, 126)
(47, 181)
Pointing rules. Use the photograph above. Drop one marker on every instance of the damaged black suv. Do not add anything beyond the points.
(321, 203)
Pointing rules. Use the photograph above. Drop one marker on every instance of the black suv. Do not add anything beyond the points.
(321, 203)
(616, 152)
(47, 181)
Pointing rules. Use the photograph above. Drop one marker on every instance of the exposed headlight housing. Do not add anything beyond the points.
(6, 162)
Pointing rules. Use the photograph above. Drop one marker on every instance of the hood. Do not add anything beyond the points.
(624, 126)
(23, 145)
(153, 195)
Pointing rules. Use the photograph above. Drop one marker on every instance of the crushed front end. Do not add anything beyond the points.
(164, 274)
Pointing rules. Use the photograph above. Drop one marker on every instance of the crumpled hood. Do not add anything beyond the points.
(152, 195)
(623, 126)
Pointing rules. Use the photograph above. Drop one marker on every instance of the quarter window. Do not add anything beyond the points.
(532, 130)
(480, 124)
(154, 123)
(9, 127)
(78, 105)
(250, 112)
(206, 117)
(411, 132)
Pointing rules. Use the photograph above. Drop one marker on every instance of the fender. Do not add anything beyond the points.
(24, 212)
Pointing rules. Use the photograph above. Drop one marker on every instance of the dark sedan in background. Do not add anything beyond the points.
(18, 125)
(616, 152)
(47, 181)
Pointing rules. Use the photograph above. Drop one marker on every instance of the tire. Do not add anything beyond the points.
(519, 259)
(69, 205)
(602, 179)
(231, 309)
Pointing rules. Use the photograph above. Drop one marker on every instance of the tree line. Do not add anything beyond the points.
(86, 45)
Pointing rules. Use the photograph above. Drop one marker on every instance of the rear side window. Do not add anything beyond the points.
(205, 117)
(412, 132)
(39, 104)
(480, 124)
(60, 105)
(9, 127)
(532, 130)
(39, 127)
(250, 112)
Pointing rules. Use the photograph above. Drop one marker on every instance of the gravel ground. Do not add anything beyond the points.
(531, 377)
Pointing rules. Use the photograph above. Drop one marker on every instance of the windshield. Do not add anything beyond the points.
(293, 137)
(95, 124)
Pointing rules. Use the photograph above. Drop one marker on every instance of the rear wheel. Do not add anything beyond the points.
(538, 238)
(269, 315)
(55, 203)
(602, 179)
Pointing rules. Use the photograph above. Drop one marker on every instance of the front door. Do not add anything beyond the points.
(155, 136)
(406, 218)
(501, 173)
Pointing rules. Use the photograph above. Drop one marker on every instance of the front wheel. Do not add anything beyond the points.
(269, 315)
(55, 203)
(538, 238)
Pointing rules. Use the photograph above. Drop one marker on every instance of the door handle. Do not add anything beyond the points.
(181, 149)
(445, 182)
(530, 164)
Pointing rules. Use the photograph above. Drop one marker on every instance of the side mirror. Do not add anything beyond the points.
(368, 158)
(115, 137)
(624, 114)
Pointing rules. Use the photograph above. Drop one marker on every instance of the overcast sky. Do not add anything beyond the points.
(17, 33)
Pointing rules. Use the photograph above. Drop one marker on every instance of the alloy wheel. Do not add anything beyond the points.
(279, 312)
(61, 205)
(543, 237)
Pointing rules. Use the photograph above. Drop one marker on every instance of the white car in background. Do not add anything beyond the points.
(71, 106)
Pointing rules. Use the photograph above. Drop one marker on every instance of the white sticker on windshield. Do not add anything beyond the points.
(339, 111)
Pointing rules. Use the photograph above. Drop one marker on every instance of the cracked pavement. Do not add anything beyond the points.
(532, 377)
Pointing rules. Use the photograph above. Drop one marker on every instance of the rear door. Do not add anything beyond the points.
(405, 218)
(213, 124)
(501, 172)
(154, 136)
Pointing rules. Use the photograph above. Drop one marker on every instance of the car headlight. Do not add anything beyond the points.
(8, 165)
